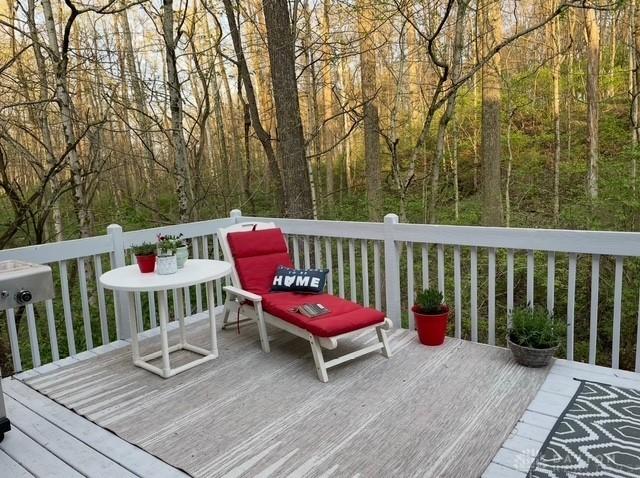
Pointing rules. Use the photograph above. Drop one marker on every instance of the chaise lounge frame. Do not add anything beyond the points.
(240, 301)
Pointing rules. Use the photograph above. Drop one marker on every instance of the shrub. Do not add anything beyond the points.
(144, 249)
(534, 327)
(429, 301)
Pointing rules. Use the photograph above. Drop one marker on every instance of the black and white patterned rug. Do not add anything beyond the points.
(598, 435)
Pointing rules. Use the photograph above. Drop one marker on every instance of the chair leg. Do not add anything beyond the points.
(316, 351)
(382, 337)
(262, 329)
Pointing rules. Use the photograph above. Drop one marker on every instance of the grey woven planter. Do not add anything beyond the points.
(530, 357)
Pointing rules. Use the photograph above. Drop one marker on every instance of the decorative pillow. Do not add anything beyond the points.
(308, 281)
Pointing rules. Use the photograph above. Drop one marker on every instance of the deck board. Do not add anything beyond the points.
(523, 445)
(47, 428)
(441, 411)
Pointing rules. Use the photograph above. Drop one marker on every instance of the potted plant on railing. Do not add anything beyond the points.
(167, 263)
(182, 251)
(431, 316)
(534, 336)
(145, 257)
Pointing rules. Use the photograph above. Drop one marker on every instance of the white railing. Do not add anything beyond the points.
(82, 316)
(483, 272)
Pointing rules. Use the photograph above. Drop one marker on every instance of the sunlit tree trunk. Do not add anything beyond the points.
(592, 37)
(368, 84)
(281, 45)
(491, 104)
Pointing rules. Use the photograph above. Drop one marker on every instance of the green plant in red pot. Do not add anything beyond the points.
(431, 316)
(145, 256)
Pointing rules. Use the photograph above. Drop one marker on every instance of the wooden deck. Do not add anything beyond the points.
(462, 409)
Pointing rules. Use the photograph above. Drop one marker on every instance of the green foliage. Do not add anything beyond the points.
(534, 327)
(144, 249)
(430, 301)
(168, 244)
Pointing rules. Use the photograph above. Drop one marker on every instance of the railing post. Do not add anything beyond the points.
(392, 271)
(235, 214)
(122, 298)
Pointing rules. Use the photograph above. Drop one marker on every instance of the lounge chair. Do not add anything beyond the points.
(255, 250)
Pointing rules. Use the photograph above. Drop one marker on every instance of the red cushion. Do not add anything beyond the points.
(345, 316)
(257, 255)
(256, 243)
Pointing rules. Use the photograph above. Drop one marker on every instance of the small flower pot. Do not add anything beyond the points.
(182, 254)
(146, 263)
(166, 265)
(432, 328)
(530, 357)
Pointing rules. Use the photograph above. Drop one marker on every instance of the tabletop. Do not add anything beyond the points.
(195, 271)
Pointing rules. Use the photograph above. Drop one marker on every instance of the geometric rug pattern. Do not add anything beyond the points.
(598, 435)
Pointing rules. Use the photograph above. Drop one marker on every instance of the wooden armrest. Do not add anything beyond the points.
(242, 293)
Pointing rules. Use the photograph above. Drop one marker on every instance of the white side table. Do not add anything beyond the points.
(196, 271)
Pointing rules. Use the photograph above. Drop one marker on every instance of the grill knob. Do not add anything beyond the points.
(24, 296)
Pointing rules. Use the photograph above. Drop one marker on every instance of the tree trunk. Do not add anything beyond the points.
(370, 117)
(261, 133)
(458, 46)
(555, 78)
(328, 133)
(592, 37)
(183, 183)
(60, 57)
(281, 46)
(491, 104)
(634, 63)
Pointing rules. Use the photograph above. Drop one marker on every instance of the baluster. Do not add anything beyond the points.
(216, 256)
(551, 281)
(410, 285)
(84, 299)
(491, 317)
(296, 253)
(425, 266)
(571, 303)
(177, 309)
(440, 248)
(530, 271)
(102, 305)
(474, 294)
(340, 268)
(329, 255)
(638, 338)
(352, 270)
(51, 324)
(307, 253)
(617, 312)
(33, 335)
(66, 306)
(13, 340)
(138, 302)
(377, 275)
(593, 318)
(509, 285)
(151, 298)
(457, 294)
(364, 253)
(196, 255)
(317, 253)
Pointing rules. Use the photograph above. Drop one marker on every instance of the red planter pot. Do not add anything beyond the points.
(432, 328)
(146, 263)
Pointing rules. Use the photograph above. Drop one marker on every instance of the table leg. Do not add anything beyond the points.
(164, 340)
(135, 350)
(180, 312)
(212, 318)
